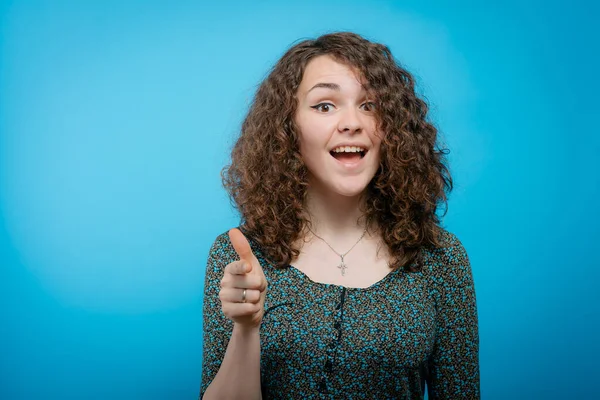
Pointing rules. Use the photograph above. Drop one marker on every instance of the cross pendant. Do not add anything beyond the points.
(342, 266)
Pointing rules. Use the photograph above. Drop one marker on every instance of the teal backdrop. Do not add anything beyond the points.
(117, 116)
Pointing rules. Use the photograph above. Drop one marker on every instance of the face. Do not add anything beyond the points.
(336, 118)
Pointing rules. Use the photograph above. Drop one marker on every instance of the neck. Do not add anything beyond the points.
(332, 215)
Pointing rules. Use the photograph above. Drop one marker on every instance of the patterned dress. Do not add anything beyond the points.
(408, 331)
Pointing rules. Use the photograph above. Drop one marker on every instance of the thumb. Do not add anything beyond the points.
(242, 248)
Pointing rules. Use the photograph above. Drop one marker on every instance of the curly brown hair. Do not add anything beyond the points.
(267, 179)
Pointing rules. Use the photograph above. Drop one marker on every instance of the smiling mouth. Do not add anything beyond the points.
(348, 157)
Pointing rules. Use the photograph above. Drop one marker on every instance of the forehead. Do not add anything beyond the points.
(325, 69)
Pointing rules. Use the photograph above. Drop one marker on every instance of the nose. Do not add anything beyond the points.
(349, 121)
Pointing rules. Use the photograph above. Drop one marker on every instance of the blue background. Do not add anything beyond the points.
(116, 118)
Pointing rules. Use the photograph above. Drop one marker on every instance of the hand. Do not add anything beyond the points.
(245, 274)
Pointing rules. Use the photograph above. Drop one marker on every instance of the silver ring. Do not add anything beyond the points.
(244, 296)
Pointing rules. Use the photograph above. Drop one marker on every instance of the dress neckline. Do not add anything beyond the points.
(302, 276)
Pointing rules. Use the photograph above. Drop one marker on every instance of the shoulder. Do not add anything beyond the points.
(451, 249)
(448, 263)
(221, 251)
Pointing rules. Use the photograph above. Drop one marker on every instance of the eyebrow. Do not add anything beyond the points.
(324, 85)
(333, 86)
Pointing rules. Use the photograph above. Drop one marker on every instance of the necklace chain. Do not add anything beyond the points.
(342, 265)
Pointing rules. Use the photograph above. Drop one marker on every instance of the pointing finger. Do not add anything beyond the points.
(241, 245)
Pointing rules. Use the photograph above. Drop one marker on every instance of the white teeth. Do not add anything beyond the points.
(348, 149)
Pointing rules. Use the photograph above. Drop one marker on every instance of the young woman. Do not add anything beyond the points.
(342, 285)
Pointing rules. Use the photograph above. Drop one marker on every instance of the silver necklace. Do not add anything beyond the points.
(342, 267)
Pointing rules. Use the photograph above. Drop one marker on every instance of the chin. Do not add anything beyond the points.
(350, 190)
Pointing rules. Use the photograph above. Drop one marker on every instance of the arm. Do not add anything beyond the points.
(454, 365)
(231, 352)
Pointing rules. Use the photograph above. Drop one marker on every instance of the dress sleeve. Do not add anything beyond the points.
(454, 364)
(216, 327)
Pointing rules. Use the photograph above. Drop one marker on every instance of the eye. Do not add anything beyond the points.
(369, 106)
(323, 107)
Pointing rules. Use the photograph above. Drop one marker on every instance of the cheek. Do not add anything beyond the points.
(308, 147)
(376, 139)
(313, 137)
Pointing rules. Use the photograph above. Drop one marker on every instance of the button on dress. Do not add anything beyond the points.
(409, 331)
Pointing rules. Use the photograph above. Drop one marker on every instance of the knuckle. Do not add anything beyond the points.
(226, 281)
(256, 283)
(239, 267)
(230, 267)
(253, 308)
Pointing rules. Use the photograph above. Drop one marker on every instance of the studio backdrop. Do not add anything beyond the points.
(116, 118)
